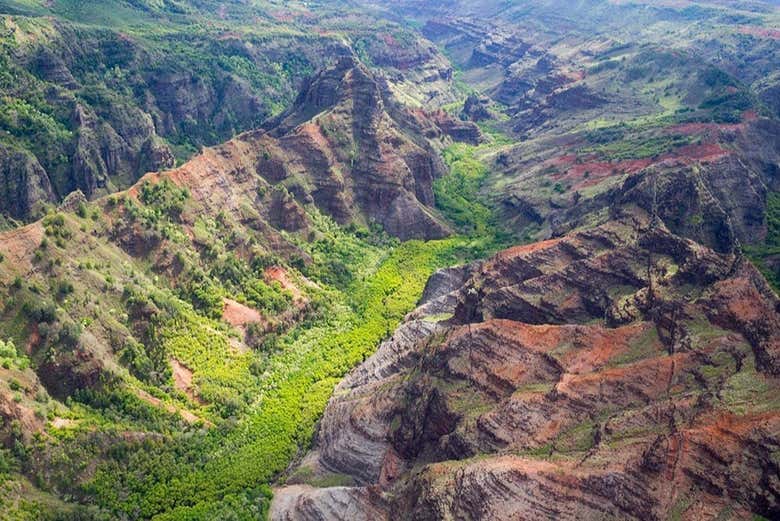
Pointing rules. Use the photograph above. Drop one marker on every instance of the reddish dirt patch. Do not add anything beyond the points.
(648, 377)
(11, 410)
(238, 315)
(229, 35)
(749, 115)
(738, 301)
(182, 380)
(19, 245)
(567, 159)
(312, 132)
(34, 340)
(704, 153)
(761, 32)
(724, 424)
(590, 172)
(593, 346)
(583, 172)
(280, 275)
(526, 249)
(603, 345)
(389, 39)
(574, 75)
(156, 402)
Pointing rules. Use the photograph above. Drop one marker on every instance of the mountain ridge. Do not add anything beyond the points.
(492, 261)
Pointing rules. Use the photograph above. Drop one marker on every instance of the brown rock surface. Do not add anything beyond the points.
(345, 146)
(621, 372)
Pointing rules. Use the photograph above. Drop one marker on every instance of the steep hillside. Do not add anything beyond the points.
(272, 325)
(624, 366)
(620, 372)
(214, 305)
(681, 94)
(95, 95)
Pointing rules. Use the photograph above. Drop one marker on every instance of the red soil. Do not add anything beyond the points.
(593, 347)
(280, 275)
(239, 315)
(704, 153)
(313, 133)
(182, 379)
(525, 249)
(148, 398)
(761, 32)
(19, 245)
(597, 170)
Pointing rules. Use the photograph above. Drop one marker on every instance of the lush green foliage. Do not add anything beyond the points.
(212, 448)
(767, 256)
(457, 194)
(460, 198)
(189, 477)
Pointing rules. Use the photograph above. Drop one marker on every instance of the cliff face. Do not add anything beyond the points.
(588, 114)
(100, 104)
(25, 184)
(349, 147)
(713, 190)
(345, 147)
(98, 109)
(619, 372)
(264, 188)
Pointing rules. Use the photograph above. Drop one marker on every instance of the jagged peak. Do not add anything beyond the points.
(330, 86)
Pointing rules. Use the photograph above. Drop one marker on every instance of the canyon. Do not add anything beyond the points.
(354, 260)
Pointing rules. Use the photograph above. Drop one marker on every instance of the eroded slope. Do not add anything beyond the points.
(621, 372)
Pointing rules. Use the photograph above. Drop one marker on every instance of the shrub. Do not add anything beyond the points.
(134, 357)
(7, 349)
(40, 311)
(63, 289)
(69, 334)
(205, 297)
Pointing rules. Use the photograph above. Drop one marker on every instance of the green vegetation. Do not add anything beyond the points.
(633, 148)
(578, 438)
(163, 405)
(767, 255)
(172, 73)
(248, 411)
(280, 410)
(459, 196)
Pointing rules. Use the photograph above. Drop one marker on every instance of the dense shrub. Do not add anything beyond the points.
(39, 310)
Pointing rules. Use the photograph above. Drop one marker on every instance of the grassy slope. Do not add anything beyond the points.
(260, 406)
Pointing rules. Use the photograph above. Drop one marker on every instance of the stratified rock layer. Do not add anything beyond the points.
(346, 146)
(622, 373)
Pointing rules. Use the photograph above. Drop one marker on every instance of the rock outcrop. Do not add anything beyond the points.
(346, 146)
(350, 148)
(621, 372)
(25, 184)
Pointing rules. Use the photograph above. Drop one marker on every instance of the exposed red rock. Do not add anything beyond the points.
(346, 146)
(621, 372)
